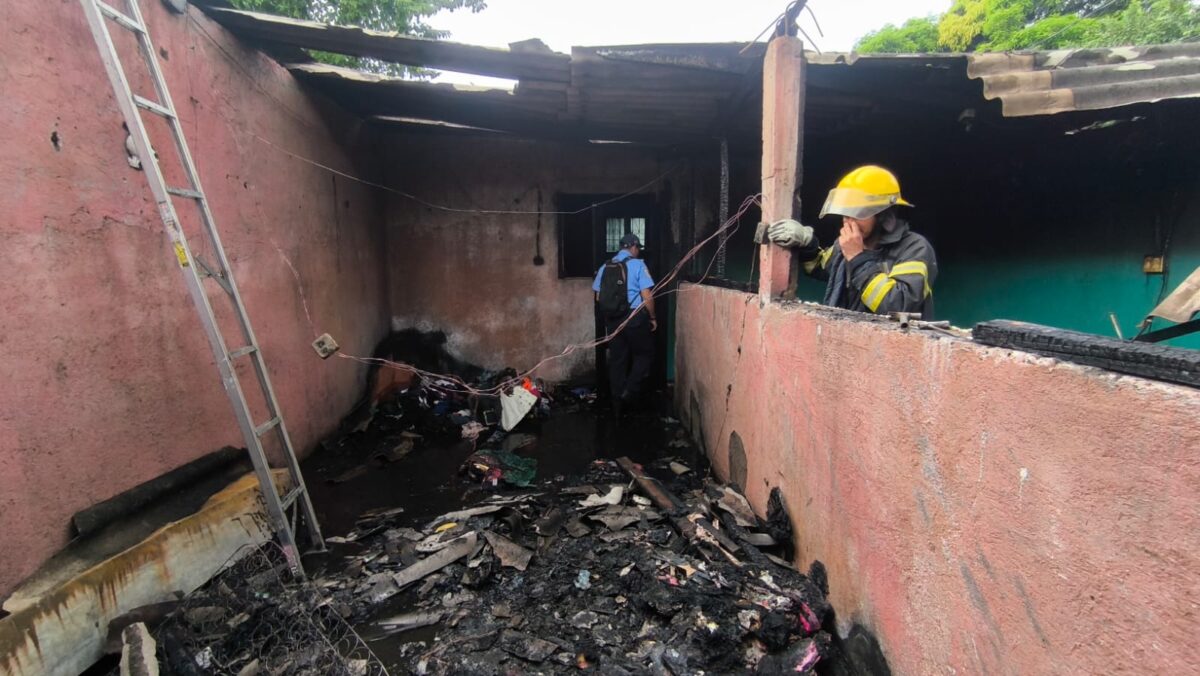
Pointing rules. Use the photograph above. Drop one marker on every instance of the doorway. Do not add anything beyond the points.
(590, 238)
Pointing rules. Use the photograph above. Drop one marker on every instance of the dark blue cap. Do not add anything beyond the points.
(630, 240)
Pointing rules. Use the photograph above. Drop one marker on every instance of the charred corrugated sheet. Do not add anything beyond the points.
(662, 94)
(1042, 83)
(1160, 362)
(1048, 82)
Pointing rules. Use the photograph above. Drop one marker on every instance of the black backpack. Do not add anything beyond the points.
(614, 296)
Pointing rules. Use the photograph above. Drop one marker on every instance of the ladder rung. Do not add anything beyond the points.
(183, 192)
(153, 107)
(242, 352)
(263, 428)
(213, 275)
(291, 497)
(119, 17)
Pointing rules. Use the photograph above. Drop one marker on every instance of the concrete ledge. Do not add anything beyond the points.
(64, 632)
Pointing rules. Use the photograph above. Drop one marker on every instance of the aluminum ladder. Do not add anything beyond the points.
(195, 269)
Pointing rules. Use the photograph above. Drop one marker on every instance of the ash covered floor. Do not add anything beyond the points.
(440, 571)
(570, 544)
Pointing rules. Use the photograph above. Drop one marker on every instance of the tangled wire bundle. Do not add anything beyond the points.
(255, 617)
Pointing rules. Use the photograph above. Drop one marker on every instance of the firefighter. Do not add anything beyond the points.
(878, 264)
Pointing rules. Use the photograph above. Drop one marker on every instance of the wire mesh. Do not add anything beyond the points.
(256, 617)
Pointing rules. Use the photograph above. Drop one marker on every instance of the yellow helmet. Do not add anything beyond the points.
(864, 192)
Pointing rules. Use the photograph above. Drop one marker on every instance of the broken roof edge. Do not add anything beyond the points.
(394, 47)
(732, 57)
(317, 68)
(1183, 304)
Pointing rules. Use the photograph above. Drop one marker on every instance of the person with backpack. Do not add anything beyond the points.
(623, 288)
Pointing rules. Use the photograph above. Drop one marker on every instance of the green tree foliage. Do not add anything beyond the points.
(1156, 22)
(400, 16)
(916, 35)
(1000, 25)
(962, 25)
(1053, 32)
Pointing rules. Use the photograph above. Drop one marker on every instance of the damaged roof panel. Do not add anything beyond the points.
(674, 93)
(530, 112)
(378, 96)
(730, 57)
(1043, 83)
(1184, 302)
(394, 47)
(647, 93)
(1049, 82)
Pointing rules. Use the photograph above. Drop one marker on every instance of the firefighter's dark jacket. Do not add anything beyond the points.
(896, 276)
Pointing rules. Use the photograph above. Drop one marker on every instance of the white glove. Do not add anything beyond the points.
(789, 233)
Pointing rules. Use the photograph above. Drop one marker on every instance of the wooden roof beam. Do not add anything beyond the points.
(395, 48)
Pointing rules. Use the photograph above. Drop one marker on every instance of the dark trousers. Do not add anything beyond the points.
(630, 356)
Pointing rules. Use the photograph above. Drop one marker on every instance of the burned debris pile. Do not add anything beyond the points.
(256, 619)
(609, 571)
(617, 569)
(405, 412)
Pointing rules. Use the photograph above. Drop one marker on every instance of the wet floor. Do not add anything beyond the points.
(427, 482)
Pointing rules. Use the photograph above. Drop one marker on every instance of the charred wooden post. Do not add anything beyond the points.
(783, 147)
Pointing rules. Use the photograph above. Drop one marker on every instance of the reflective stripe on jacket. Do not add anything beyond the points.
(897, 276)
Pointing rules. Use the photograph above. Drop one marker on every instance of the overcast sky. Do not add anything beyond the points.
(562, 24)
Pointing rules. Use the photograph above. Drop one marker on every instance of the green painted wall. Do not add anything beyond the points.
(1045, 285)
(1069, 292)
(1031, 219)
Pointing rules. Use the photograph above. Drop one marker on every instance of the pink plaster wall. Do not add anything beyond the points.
(107, 379)
(980, 510)
(472, 275)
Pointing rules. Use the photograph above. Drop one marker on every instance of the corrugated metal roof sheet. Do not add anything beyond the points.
(1043, 83)
(1048, 82)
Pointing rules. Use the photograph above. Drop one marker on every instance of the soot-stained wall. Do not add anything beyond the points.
(108, 379)
(471, 274)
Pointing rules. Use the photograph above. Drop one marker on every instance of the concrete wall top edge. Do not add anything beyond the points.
(838, 317)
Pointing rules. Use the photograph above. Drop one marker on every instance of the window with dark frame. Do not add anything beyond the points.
(587, 238)
(575, 236)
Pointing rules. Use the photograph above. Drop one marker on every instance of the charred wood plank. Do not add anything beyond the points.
(654, 490)
(1160, 362)
(695, 528)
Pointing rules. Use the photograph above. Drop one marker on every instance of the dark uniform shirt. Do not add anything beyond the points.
(896, 276)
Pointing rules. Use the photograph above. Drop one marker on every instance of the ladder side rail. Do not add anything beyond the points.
(137, 130)
(150, 56)
(293, 463)
(225, 268)
(208, 221)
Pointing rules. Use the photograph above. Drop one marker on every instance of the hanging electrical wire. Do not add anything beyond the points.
(460, 386)
(724, 231)
(460, 210)
(790, 13)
